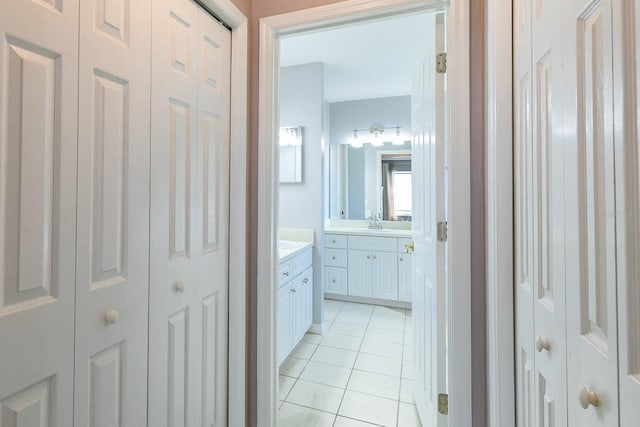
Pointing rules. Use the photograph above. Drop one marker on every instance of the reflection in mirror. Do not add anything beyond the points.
(395, 184)
(290, 159)
(357, 183)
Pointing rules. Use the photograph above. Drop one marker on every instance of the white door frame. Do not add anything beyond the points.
(231, 16)
(501, 380)
(459, 313)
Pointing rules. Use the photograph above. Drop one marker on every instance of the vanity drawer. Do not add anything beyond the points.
(335, 241)
(284, 273)
(335, 257)
(367, 243)
(401, 243)
(301, 262)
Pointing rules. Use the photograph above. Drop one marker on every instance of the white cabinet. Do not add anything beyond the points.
(284, 322)
(335, 280)
(373, 274)
(295, 301)
(368, 267)
(360, 274)
(335, 261)
(405, 277)
(384, 274)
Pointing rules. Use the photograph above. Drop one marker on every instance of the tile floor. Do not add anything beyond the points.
(358, 374)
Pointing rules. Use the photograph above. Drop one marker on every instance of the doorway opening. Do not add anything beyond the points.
(338, 230)
(345, 331)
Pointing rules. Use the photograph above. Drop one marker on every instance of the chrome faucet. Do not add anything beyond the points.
(375, 222)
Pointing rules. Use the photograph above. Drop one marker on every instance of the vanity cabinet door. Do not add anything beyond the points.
(297, 316)
(307, 286)
(405, 277)
(335, 280)
(284, 322)
(359, 283)
(384, 271)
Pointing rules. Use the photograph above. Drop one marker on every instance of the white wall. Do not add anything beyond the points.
(301, 205)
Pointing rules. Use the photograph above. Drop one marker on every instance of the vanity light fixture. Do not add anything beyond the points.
(397, 139)
(290, 136)
(376, 136)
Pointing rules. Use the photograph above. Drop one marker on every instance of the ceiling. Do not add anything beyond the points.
(372, 59)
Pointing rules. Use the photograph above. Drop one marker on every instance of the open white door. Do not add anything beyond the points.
(429, 280)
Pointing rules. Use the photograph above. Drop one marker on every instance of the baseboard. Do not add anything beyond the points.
(365, 300)
(316, 328)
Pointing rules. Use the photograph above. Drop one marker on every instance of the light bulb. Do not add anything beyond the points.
(397, 139)
(355, 141)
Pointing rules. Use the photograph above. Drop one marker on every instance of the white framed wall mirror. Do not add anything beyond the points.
(290, 147)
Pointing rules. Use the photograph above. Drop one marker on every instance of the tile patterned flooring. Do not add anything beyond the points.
(358, 374)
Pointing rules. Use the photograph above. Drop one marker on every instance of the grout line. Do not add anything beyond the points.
(352, 368)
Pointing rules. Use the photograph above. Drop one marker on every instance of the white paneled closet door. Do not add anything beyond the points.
(540, 269)
(212, 224)
(627, 160)
(38, 148)
(189, 222)
(592, 336)
(113, 214)
(174, 98)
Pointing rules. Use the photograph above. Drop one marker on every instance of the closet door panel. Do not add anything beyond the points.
(214, 106)
(627, 68)
(113, 213)
(523, 211)
(38, 160)
(549, 302)
(590, 227)
(174, 314)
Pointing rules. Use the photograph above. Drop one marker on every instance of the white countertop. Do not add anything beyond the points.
(363, 231)
(287, 249)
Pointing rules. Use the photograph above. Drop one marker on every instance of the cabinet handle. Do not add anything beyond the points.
(285, 274)
(588, 398)
(111, 316)
(180, 287)
(368, 256)
(333, 281)
(375, 257)
(542, 345)
(305, 281)
(400, 259)
(333, 258)
(293, 291)
(333, 241)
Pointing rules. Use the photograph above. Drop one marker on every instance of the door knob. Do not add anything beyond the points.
(111, 316)
(588, 398)
(542, 344)
(180, 287)
(410, 247)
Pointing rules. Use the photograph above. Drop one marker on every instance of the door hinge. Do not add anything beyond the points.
(443, 404)
(442, 231)
(441, 63)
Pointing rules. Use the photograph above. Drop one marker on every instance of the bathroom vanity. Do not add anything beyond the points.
(368, 265)
(295, 293)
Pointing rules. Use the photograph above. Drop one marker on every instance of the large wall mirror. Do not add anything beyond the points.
(370, 180)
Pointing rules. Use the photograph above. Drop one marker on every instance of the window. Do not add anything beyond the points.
(402, 185)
